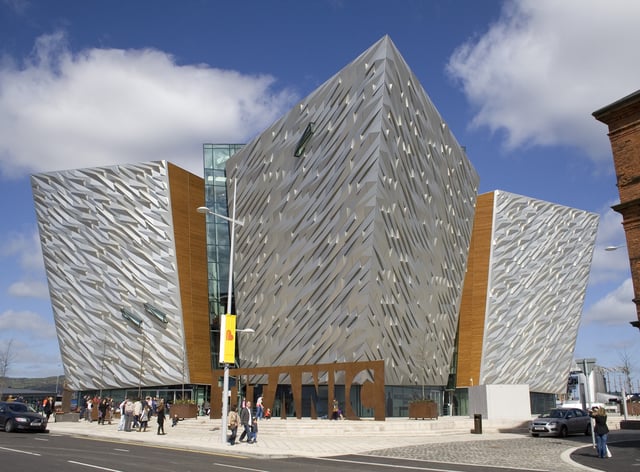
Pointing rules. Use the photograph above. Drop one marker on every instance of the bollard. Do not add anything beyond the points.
(477, 424)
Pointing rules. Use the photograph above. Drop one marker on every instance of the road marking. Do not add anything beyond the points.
(430, 469)
(464, 464)
(19, 451)
(94, 466)
(120, 450)
(238, 467)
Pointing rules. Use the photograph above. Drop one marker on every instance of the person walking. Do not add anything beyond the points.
(259, 408)
(601, 430)
(47, 405)
(144, 418)
(253, 436)
(245, 421)
(335, 410)
(128, 415)
(160, 414)
(102, 411)
(234, 421)
(123, 416)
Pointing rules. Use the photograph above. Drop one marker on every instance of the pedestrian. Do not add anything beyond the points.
(144, 417)
(253, 437)
(89, 410)
(259, 408)
(233, 422)
(245, 421)
(48, 407)
(160, 414)
(102, 411)
(601, 430)
(123, 416)
(137, 411)
(128, 415)
(335, 410)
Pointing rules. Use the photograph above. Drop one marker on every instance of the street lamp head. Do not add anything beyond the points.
(613, 248)
(208, 211)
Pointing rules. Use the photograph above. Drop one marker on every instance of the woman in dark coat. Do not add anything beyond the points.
(601, 430)
(160, 413)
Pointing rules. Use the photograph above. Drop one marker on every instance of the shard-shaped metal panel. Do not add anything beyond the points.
(107, 240)
(538, 272)
(357, 208)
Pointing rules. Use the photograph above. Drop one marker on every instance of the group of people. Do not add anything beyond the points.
(136, 414)
(247, 420)
(103, 406)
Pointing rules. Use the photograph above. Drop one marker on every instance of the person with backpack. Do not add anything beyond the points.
(233, 422)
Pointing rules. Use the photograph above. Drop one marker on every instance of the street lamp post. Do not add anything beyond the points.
(225, 387)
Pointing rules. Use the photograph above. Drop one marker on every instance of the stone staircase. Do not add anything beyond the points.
(308, 427)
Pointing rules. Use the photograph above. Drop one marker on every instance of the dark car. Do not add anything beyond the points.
(16, 416)
(562, 422)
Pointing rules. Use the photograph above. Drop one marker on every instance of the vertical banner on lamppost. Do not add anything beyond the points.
(228, 346)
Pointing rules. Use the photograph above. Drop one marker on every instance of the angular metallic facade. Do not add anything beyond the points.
(110, 242)
(528, 278)
(358, 208)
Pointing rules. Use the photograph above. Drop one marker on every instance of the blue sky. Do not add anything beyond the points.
(89, 83)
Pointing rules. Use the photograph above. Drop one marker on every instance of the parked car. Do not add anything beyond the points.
(562, 422)
(16, 416)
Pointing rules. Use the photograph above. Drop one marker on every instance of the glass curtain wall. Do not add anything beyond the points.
(215, 157)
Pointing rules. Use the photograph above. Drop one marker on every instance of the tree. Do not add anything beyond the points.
(7, 356)
(626, 368)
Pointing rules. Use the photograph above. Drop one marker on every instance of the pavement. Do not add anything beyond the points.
(447, 439)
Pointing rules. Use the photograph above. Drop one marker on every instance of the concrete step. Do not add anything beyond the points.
(309, 427)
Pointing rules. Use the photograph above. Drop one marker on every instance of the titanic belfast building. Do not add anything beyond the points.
(363, 238)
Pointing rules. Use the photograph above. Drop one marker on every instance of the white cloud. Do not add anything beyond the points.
(27, 249)
(545, 66)
(616, 308)
(63, 110)
(29, 288)
(608, 266)
(26, 322)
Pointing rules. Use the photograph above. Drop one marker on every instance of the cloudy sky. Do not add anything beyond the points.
(105, 82)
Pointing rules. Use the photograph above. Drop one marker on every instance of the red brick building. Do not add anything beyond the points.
(623, 119)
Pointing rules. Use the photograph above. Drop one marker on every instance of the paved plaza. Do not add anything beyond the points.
(447, 439)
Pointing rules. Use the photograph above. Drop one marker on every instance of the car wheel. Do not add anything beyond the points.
(564, 432)
(535, 435)
(8, 426)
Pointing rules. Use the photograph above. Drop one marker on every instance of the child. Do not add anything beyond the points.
(175, 420)
(267, 414)
(253, 437)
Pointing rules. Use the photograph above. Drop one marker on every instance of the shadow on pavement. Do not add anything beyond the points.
(625, 454)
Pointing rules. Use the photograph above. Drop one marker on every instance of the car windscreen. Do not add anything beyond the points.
(18, 408)
(553, 414)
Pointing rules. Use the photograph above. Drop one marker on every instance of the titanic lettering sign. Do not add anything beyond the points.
(371, 392)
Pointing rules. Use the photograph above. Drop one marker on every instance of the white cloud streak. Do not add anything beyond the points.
(26, 322)
(616, 308)
(545, 66)
(63, 110)
(29, 289)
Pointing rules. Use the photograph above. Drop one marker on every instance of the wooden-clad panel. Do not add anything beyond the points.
(187, 194)
(474, 295)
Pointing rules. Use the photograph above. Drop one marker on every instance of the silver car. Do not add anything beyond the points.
(562, 422)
